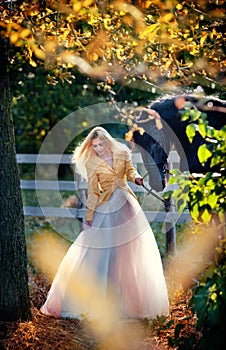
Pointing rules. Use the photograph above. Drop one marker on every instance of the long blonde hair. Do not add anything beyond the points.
(83, 152)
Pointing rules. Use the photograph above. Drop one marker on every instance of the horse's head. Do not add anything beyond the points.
(155, 143)
(213, 107)
(154, 148)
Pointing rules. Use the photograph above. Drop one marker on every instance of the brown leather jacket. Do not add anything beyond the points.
(103, 179)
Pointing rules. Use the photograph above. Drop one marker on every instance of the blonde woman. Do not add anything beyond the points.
(115, 258)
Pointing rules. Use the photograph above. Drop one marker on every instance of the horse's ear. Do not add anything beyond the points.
(192, 99)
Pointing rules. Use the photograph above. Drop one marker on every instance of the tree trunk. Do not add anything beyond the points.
(14, 292)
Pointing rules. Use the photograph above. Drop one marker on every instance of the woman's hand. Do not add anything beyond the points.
(89, 223)
(139, 181)
(179, 102)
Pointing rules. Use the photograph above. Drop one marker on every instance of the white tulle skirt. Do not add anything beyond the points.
(112, 267)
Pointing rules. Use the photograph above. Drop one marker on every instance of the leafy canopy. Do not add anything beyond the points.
(160, 44)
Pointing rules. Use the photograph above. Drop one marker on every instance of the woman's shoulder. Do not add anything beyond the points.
(92, 161)
(123, 153)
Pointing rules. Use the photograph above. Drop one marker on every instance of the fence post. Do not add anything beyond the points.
(170, 226)
(170, 230)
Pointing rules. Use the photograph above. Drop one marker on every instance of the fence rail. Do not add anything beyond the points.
(80, 185)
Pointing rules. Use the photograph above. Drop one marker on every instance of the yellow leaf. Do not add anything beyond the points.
(77, 6)
(150, 31)
(146, 4)
(25, 33)
(167, 18)
(32, 63)
(141, 131)
(87, 3)
(214, 32)
(93, 56)
(39, 53)
(129, 135)
(129, 122)
(179, 7)
(14, 37)
(214, 296)
(206, 216)
(203, 39)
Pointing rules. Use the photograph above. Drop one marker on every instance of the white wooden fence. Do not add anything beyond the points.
(80, 186)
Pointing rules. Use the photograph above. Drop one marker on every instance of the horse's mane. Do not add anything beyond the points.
(161, 99)
(192, 97)
(204, 103)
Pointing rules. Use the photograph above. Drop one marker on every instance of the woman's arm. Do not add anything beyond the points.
(131, 172)
(93, 194)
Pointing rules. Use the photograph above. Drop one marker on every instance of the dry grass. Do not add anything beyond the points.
(48, 333)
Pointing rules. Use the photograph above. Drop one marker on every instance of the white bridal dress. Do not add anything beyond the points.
(113, 266)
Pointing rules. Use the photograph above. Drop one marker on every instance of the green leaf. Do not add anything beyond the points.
(222, 133)
(215, 161)
(195, 212)
(204, 153)
(181, 203)
(194, 114)
(202, 129)
(191, 131)
(206, 216)
(212, 200)
(210, 183)
(185, 115)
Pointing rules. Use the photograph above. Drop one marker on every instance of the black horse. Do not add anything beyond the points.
(155, 144)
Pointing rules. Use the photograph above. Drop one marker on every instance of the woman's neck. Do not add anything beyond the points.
(107, 157)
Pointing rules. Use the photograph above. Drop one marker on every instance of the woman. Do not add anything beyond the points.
(116, 256)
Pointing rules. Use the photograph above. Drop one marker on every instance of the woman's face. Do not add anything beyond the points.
(99, 146)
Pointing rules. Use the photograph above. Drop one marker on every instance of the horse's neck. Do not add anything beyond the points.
(174, 129)
(168, 112)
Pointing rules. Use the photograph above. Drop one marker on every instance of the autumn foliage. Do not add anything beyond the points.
(159, 44)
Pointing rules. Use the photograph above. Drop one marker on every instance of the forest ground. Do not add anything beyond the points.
(47, 333)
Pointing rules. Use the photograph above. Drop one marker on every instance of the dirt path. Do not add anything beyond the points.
(47, 333)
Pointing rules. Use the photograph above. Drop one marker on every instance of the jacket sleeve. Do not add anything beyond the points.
(130, 170)
(93, 193)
